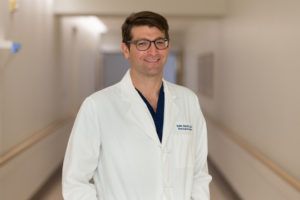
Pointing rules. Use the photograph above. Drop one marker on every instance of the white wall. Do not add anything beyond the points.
(2, 14)
(80, 58)
(202, 37)
(256, 76)
(30, 94)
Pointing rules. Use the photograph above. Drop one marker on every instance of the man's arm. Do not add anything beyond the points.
(81, 158)
(202, 179)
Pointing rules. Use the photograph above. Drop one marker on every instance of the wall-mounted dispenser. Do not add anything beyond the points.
(13, 5)
(14, 47)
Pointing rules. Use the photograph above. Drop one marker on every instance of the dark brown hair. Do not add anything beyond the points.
(144, 18)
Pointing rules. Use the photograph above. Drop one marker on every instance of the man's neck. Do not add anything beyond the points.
(148, 86)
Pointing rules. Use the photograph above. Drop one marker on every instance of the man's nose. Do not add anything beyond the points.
(152, 49)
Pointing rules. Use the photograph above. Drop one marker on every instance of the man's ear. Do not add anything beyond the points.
(125, 50)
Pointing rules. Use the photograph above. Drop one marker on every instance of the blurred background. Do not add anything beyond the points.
(240, 56)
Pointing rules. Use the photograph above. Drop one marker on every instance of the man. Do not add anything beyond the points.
(143, 138)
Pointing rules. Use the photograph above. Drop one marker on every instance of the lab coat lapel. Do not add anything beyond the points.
(137, 109)
(170, 114)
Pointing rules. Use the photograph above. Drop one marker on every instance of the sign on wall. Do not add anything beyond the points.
(206, 74)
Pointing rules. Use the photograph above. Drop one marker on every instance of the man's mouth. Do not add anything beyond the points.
(152, 59)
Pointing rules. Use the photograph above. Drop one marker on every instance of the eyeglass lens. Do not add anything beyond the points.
(143, 45)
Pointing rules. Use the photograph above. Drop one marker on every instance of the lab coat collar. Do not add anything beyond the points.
(171, 112)
(138, 109)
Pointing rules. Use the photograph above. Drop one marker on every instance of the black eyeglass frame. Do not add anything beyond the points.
(135, 42)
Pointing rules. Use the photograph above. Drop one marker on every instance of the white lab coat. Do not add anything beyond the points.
(114, 143)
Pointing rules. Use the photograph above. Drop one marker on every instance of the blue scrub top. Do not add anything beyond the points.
(158, 116)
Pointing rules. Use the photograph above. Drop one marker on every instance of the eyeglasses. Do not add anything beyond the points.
(144, 44)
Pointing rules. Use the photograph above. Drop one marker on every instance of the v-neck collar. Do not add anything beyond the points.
(158, 116)
(159, 102)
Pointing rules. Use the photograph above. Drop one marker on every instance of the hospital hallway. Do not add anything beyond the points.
(240, 57)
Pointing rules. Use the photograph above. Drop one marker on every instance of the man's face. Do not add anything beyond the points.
(149, 62)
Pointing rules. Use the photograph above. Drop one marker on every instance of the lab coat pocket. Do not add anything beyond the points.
(182, 146)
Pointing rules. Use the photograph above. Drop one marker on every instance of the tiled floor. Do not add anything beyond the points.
(219, 189)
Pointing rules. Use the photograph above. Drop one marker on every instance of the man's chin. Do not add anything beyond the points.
(154, 73)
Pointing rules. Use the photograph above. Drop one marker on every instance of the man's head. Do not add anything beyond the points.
(144, 18)
(145, 43)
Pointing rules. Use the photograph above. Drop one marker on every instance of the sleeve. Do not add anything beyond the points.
(81, 158)
(200, 190)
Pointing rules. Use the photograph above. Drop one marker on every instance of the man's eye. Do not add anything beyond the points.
(160, 42)
(142, 43)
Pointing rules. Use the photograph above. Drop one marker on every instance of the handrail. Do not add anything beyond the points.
(292, 181)
(33, 139)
